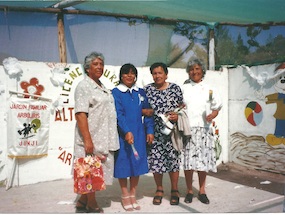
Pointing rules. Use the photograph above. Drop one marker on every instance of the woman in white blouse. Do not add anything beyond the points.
(203, 105)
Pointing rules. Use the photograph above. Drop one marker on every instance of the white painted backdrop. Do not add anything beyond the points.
(58, 163)
(247, 143)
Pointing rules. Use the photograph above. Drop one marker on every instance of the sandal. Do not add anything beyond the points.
(135, 205)
(80, 209)
(203, 198)
(174, 199)
(94, 210)
(128, 207)
(157, 199)
(188, 198)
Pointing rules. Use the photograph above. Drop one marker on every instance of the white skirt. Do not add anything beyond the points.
(198, 153)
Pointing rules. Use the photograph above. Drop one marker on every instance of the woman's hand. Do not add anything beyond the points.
(129, 137)
(89, 148)
(83, 126)
(147, 112)
(212, 116)
(173, 117)
(149, 138)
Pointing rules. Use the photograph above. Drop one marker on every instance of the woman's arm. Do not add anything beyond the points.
(83, 126)
(147, 112)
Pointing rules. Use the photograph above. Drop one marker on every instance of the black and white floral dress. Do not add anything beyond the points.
(162, 157)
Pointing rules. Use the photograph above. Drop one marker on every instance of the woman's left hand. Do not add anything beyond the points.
(172, 116)
(212, 116)
(149, 138)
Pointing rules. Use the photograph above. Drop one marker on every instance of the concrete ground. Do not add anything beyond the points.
(233, 189)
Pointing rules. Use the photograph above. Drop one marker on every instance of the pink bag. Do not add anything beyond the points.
(88, 175)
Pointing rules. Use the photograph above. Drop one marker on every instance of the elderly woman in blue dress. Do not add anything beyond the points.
(135, 132)
(203, 105)
(96, 125)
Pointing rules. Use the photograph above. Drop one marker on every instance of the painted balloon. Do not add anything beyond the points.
(253, 113)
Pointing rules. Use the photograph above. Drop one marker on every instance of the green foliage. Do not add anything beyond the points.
(248, 50)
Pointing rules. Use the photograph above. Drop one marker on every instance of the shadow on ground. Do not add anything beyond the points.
(267, 181)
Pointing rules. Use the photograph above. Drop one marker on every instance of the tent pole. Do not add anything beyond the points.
(61, 38)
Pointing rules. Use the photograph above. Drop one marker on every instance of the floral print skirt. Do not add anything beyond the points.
(199, 153)
(163, 157)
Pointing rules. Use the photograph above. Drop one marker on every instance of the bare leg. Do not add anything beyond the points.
(82, 201)
(126, 201)
(133, 186)
(189, 183)
(91, 201)
(174, 176)
(202, 181)
(158, 180)
(159, 188)
(189, 180)
(124, 186)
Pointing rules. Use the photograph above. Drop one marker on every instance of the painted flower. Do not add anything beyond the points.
(33, 87)
(217, 147)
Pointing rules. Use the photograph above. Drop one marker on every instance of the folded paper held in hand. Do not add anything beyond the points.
(88, 175)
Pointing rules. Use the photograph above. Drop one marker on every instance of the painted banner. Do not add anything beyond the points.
(28, 127)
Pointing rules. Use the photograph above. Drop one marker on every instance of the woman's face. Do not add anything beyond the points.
(196, 73)
(159, 76)
(129, 79)
(96, 68)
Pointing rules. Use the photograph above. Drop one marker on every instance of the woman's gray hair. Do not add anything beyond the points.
(193, 62)
(89, 58)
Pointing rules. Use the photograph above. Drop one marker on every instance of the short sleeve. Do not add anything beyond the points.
(81, 98)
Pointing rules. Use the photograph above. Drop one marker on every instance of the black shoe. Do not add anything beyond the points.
(81, 209)
(157, 199)
(94, 210)
(203, 198)
(174, 199)
(188, 198)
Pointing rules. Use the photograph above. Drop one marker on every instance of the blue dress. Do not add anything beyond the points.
(129, 104)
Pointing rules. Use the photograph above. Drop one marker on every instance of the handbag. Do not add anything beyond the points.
(88, 175)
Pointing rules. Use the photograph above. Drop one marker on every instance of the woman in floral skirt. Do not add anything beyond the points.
(164, 97)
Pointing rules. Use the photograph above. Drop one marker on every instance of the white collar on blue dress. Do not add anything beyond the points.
(124, 88)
